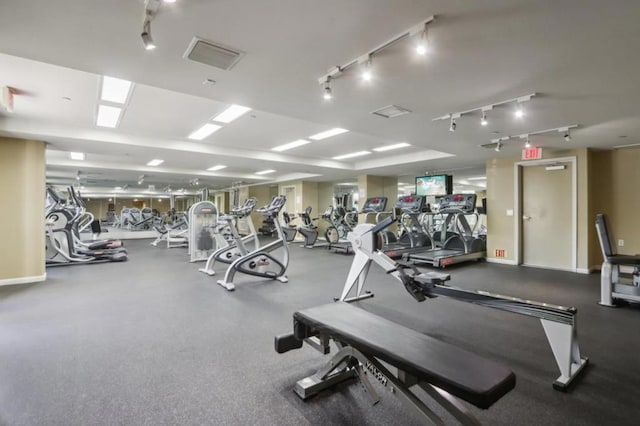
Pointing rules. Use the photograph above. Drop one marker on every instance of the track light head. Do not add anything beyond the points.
(421, 47)
(366, 73)
(498, 146)
(78, 175)
(147, 40)
(527, 144)
(567, 136)
(483, 120)
(453, 125)
(327, 95)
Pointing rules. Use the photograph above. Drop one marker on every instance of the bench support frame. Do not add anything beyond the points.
(349, 363)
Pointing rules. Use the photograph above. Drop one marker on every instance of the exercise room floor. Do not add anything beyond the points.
(154, 342)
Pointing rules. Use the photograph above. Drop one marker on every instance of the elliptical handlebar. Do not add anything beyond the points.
(274, 206)
(245, 209)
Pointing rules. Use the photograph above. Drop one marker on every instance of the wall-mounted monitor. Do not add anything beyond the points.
(434, 185)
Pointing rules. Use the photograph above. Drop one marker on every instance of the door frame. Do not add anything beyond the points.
(284, 190)
(517, 199)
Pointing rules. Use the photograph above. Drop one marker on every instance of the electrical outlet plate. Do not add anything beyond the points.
(620, 243)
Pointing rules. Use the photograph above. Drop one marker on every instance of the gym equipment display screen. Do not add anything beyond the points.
(431, 185)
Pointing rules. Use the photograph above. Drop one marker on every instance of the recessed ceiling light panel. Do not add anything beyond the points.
(231, 113)
(265, 172)
(291, 145)
(115, 90)
(204, 132)
(108, 116)
(155, 162)
(77, 156)
(327, 134)
(351, 155)
(391, 147)
(216, 168)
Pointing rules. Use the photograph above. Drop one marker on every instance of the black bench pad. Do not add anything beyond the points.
(624, 259)
(463, 374)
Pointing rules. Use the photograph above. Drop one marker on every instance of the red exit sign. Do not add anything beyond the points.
(532, 153)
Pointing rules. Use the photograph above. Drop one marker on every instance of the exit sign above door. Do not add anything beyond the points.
(532, 153)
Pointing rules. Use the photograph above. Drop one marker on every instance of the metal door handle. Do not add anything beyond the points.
(525, 217)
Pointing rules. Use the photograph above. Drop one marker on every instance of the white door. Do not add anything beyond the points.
(290, 193)
(547, 217)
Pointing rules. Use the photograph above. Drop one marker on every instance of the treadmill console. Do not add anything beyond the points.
(454, 203)
(374, 205)
(411, 203)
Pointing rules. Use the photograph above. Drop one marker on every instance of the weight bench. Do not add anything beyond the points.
(614, 284)
(365, 340)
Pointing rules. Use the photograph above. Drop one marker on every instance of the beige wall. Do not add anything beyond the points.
(22, 186)
(325, 199)
(262, 194)
(500, 198)
(221, 199)
(377, 186)
(614, 182)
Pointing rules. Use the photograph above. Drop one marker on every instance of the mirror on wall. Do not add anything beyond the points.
(346, 195)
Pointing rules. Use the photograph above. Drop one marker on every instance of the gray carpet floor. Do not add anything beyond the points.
(154, 342)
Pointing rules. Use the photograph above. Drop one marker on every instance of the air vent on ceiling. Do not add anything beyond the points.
(209, 53)
(391, 111)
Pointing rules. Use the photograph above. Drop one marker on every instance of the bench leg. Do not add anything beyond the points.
(607, 279)
(563, 339)
(399, 386)
(451, 404)
(335, 371)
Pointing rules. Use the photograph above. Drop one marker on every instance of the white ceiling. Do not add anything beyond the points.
(578, 55)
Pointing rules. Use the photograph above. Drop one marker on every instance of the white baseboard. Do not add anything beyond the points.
(588, 270)
(501, 261)
(23, 280)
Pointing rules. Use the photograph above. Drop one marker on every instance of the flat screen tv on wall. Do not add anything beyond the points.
(436, 185)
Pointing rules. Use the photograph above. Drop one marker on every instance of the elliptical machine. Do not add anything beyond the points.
(262, 263)
(237, 247)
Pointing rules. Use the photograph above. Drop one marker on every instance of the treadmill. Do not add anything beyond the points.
(413, 237)
(454, 242)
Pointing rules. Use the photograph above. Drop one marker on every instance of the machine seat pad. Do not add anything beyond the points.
(463, 374)
(624, 259)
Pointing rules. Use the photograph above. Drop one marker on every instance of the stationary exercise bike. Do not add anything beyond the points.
(308, 230)
(289, 229)
(237, 247)
(262, 262)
